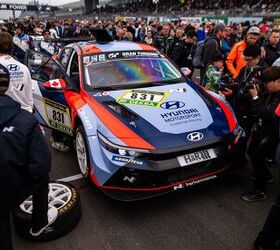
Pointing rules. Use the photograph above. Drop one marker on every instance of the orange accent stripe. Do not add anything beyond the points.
(75, 102)
(145, 46)
(120, 130)
(90, 49)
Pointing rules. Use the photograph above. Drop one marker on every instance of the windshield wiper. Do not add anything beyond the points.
(103, 88)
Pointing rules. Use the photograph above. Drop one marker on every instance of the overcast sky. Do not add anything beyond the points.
(50, 2)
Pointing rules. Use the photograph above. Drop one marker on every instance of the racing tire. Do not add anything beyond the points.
(69, 213)
(81, 149)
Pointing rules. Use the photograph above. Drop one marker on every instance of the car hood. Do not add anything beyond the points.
(165, 115)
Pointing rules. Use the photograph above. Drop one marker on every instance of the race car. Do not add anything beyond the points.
(140, 127)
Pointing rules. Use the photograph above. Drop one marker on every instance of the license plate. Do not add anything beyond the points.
(200, 156)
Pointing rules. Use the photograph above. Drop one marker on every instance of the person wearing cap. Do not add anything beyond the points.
(20, 88)
(235, 60)
(212, 46)
(25, 163)
(213, 76)
(22, 42)
(272, 47)
(265, 137)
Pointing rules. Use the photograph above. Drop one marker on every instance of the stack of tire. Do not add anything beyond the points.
(65, 198)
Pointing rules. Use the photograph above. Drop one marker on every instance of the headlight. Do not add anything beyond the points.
(120, 150)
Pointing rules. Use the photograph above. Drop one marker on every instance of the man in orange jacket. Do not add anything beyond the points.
(235, 60)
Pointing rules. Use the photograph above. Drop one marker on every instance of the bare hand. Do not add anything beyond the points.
(254, 91)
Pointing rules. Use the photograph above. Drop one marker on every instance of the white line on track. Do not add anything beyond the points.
(71, 178)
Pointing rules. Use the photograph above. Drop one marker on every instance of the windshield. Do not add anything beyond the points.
(102, 71)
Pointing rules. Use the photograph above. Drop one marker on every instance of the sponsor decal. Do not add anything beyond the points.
(13, 67)
(178, 117)
(142, 98)
(58, 116)
(8, 129)
(195, 136)
(131, 179)
(192, 183)
(179, 90)
(97, 94)
(172, 105)
(106, 93)
(127, 160)
(85, 118)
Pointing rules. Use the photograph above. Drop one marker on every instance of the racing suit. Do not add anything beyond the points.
(22, 43)
(24, 166)
(20, 88)
(49, 48)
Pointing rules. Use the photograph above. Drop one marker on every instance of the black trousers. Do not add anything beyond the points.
(39, 213)
(270, 233)
(261, 147)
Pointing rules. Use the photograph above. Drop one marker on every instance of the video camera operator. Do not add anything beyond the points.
(265, 135)
(242, 101)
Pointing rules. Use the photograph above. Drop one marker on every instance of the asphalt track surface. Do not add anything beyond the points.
(208, 216)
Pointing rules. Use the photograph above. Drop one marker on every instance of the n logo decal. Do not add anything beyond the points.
(8, 129)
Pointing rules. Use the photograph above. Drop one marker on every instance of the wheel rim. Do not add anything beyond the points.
(59, 196)
(81, 153)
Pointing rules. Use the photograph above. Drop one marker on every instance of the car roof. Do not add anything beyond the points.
(86, 48)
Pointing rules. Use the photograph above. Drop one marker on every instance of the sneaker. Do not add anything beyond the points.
(52, 215)
(60, 146)
(254, 195)
(268, 178)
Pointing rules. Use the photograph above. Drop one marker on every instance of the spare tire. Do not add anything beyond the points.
(65, 198)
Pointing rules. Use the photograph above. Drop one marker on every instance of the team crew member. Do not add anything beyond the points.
(46, 46)
(22, 43)
(24, 165)
(20, 88)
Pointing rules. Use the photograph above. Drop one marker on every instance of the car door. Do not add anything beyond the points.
(51, 107)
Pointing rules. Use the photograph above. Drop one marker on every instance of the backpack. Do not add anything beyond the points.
(199, 52)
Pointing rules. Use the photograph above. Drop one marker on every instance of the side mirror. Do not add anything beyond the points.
(57, 84)
(186, 71)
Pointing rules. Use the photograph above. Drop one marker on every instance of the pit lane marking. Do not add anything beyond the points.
(71, 178)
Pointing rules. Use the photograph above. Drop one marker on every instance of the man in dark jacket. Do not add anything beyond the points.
(272, 47)
(24, 165)
(164, 42)
(265, 136)
(212, 46)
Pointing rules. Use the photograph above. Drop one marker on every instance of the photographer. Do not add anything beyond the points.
(242, 101)
(265, 135)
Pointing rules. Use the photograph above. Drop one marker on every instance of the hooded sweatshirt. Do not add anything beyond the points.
(25, 158)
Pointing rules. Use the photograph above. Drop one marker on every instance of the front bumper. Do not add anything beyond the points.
(165, 174)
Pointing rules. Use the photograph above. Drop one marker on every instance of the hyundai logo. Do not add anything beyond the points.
(13, 67)
(172, 105)
(195, 136)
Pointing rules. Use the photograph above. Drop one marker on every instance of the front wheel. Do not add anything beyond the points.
(82, 151)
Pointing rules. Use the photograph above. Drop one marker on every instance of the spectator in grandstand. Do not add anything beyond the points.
(164, 42)
(22, 42)
(272, 47)
(235, 60)
(212, 46)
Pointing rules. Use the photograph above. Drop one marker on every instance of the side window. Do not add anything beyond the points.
(65, 56)
(43, 68)
(73, 70)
